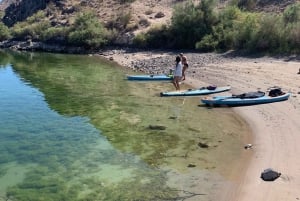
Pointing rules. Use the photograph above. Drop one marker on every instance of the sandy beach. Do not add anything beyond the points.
(275, 127)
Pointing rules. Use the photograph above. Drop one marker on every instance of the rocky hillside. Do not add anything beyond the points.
(143, 13)
(124, 18)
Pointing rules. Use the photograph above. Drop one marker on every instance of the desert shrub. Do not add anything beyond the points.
(292, 14)
(34, 31)
(140, 40)
(87, 31)
(37, 17)
(144, 22)
(121, 22)
(132, 26)
(4, 32)
(247, 31)
(112, 35)
(33, 27)
(207, 44)
(124, 19)
(156, 37)
(55, 34)
(191, 22)
(2, 13)
(292, 38)
(224, 33)
(291, 22)
(269, 34)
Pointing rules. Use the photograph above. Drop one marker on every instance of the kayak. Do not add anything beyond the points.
(243, 99)
(196, 92)
(161, 77)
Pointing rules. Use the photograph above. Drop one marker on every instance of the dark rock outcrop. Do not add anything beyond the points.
(19, 10)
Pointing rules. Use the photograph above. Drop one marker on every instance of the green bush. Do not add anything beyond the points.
(225, 31)
(191, 22)
(156, 37)
(140, 40)
(292, 14)
(87, 31)
(291, 20)
(4, 32)
(292, 36)
(58, 34)
(33, 27)
(33, 31)
(248, 29)
(269, 34)
(207, 44)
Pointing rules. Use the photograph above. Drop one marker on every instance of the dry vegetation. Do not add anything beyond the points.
(140, 15)
(143, 14)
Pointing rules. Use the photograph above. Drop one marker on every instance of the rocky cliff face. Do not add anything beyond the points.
(19, 10)
(4, 4)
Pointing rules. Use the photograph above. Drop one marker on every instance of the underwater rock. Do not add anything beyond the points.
(202, 145)
(157, 127)
(191, 165)
(172, 117)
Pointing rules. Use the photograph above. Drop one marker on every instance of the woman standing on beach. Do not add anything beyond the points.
(185, 65)
(177, 73)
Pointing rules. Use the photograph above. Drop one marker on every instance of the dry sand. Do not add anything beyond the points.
(275, 127)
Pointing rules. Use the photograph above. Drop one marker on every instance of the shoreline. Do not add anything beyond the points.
(275, 127)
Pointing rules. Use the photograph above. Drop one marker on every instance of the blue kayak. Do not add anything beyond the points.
(196, 92)
(161, 77)
(241, 100)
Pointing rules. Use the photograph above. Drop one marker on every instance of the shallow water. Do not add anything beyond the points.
(72, 128)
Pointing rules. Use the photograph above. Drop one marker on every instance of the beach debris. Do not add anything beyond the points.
(157, 127)
(270, 174)
(248, 146)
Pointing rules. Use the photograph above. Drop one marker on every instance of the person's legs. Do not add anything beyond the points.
(176, 82)
(183, 71)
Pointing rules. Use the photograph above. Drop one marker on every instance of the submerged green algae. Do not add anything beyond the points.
(100, 146)
(36, 187)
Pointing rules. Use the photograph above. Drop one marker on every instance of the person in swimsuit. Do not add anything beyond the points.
(185, 65)
(177, 73)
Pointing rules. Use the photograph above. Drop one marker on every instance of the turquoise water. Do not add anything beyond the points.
(72, 128)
